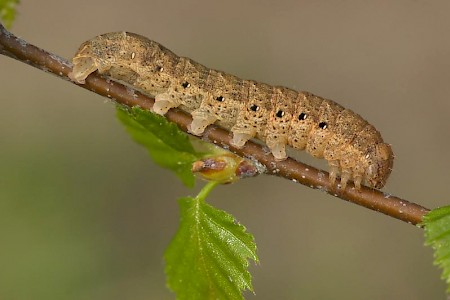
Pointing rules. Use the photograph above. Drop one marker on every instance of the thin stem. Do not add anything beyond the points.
(395, 207)
(206, 190)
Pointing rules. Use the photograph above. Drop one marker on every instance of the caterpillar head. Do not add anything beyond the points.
(83, 63)
(93, 55)
(381, 159)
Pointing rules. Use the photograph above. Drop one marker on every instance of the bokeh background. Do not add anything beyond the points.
(85, 214)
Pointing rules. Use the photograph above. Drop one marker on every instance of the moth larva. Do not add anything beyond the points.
(276, 115)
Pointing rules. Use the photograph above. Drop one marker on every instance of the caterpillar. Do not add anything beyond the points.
(276, 115)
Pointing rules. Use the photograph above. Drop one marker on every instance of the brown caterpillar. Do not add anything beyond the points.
(276, 115)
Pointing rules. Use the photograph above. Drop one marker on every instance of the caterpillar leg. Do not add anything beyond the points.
(278, 148)
(239, 139)
(357, 179)
(358, 175)
(163, 103)
(242, 133)
(346, 175)
(279, 151)
(245, 129)
(200, 120)
(334, 170)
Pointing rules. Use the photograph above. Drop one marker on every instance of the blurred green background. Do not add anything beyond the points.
(84, 213)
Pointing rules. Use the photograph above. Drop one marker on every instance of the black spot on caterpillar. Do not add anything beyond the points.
(276, 115)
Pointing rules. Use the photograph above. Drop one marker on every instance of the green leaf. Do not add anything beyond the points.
(8, 11)
(437, 235)
(208, 257)
(168, 146)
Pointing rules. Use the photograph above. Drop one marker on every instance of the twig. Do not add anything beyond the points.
(412, 213)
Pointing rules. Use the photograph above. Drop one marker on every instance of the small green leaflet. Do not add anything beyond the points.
(8, 11)
(437, 235)
(208, 257)
(167, 145)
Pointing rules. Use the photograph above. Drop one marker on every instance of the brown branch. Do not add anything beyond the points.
(395, 207)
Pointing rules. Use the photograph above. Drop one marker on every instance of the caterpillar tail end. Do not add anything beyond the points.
(380, 167)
